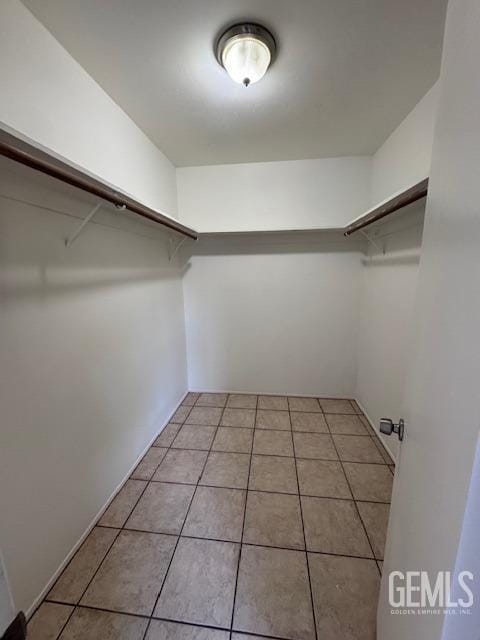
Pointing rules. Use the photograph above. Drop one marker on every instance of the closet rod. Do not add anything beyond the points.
(25, 153)
(403, 199)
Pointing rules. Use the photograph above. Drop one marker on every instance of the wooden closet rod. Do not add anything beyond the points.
(403, 199)
(25, 153)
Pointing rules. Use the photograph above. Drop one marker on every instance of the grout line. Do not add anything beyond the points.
(248, 544)
(356, 508)
(94, 608)
(224, 629)
(292, 432)
(241, 544)
(318, 553)
(383, 452)
(220, 486)
(170, 424)
(174, 621)
(45, 598)
(243, 523)
(76, 605)
(183, 526)
(312, 602)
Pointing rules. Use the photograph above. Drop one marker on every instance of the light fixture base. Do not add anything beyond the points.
(245, 28)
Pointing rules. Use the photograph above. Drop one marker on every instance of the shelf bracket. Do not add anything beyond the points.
(83, 224)
(372, 241)
(173, 248)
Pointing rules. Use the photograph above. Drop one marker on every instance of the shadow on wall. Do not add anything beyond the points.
(36, 263)
(37, 215)
(39, 282)
(274, 243)
(94, 361)
(390, 261)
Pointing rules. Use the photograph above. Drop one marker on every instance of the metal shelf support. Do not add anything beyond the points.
(81, 226)
(174, 248)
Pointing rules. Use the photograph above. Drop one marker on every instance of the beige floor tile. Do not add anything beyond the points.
(274, 520)
(167, 436)
(192, 436)
(90, 624)
(335, 405)
(273, 473)
(356, 406)
(200, 584)
(48, 621)
(357, 449)
(149, 463)
(392, 468)
(342, 424)
(212, 400)
(273, 595)
(324, 478)
(216, 513)
(304, 404)
(205, 416)
(334, 526)
(190, 399)
(273, 443)
(307, 421)
(238, 418)
(270, 419)
(123, 503)
(180, 414)
(369, 482)
(345, 594)
(162, 508)
(132, 574)
(242, 401)
(163, 630)
(81, 569)
(375, 518)
(383, 452)
(368, 426)
(226, 470)
(246, 636)
(315, 446)
(233, 440)
(181, 465)
(273, 402)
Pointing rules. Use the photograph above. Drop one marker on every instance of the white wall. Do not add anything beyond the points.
(274, 314)
(390, 280)
(437, 458)
(92, 341)
(298, 194)
(7, 612)
(49, 98)
(387, 317)
(340, 337)
(92, 347)
(236, 290)
(404, 158)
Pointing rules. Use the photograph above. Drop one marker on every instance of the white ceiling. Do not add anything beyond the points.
(347, 72)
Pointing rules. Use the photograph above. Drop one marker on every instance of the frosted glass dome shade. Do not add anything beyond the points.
(246, 59)
(246, 51)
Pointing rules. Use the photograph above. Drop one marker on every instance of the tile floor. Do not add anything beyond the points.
(250, 515)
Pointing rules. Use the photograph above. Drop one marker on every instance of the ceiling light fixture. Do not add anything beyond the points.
(246, 51)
